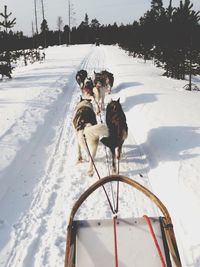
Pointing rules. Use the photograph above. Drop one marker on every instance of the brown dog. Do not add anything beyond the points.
(118, 130)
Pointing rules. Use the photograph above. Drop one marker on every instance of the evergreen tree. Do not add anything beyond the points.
(157, 7)
(44, 32)
(184, 21)
(7, 24)
(66, 33)
(44, 26)
(86, 21)
(95, 29)
(94, 24)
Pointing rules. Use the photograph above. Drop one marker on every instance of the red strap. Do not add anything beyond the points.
(115, 241)
(147, 219)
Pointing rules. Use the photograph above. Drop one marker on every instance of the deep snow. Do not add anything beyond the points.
(39, 177)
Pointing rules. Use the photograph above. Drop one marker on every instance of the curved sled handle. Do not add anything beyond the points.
(168, 228)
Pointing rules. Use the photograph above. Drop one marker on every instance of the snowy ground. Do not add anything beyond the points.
(39, 177)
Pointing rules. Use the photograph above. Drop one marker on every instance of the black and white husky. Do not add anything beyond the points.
(85, 124)
(81, 75)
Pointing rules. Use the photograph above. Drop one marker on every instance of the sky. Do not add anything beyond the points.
(106, 11)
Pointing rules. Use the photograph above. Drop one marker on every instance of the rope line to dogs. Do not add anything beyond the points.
(111, 184)
(148, 221)
(110, 204)
(117, 197)
(107, 161)
(116, 205)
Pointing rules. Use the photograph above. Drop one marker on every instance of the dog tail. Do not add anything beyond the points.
(96, 131)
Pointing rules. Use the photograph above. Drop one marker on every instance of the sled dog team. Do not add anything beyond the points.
(88, 131)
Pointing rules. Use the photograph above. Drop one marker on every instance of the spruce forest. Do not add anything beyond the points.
(168, 36)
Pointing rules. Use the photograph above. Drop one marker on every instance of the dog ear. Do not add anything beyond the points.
(118, 100)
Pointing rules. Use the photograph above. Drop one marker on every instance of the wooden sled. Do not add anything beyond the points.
(134, 242)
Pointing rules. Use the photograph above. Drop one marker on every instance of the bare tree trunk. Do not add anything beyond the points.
(36, 24)
(69, 14)
(45, 38)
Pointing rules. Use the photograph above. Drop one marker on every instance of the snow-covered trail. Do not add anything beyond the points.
(29, 190)
(45, 181)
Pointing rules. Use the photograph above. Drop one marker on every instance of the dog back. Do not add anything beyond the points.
(116, 122)
(83, 116)
(109, 77)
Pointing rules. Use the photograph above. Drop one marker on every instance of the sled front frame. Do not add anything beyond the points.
(166, 220)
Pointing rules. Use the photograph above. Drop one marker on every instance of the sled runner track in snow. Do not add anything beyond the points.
(27, 228)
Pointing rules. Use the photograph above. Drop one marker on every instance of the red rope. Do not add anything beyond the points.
(115, 241)
(147, 219)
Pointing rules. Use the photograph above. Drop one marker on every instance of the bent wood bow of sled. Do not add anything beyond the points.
(167, 223)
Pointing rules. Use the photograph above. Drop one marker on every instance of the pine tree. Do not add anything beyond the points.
(156, 8)
(94, 24)
(85, 24)
(7, 24)
(184, 21)
(86, 20)
(44, 30)
(44, 26)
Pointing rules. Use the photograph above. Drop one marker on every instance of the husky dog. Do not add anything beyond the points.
(87, 130)
(118, 130)
(99, 96)
(99, 77)
(80, 77)
(87, 89)
(99, 93)
(106, 78)
(109, 79)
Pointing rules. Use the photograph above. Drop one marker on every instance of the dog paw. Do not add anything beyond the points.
(79, 160)
(90, 173)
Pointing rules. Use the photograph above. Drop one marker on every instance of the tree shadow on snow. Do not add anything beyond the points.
(172, 143)
(124, 85)
(132, 101)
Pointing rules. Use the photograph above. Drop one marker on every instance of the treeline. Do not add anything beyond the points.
(169, 36)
